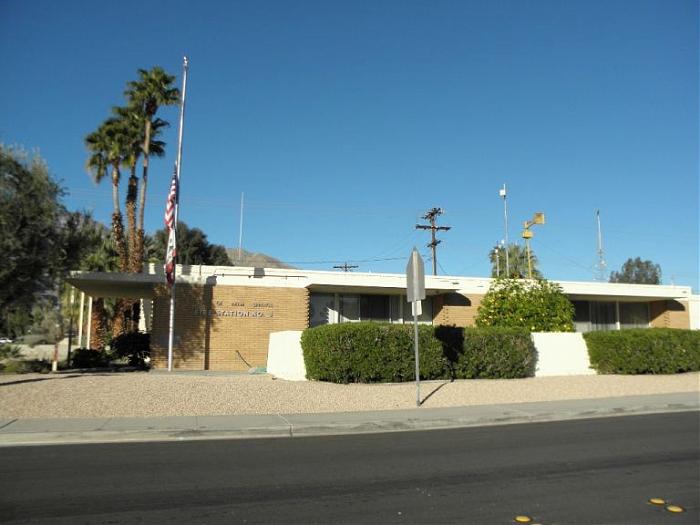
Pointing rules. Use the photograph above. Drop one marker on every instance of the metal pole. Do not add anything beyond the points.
(529, 260)
(80, 320)
(240, 234)
(505, 220)
(434, 246)
(415, 348)
(178, 166)
(70, 324)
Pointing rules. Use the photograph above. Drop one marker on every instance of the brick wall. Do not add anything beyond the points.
(669, 314)
(455, 309)
(224, 327)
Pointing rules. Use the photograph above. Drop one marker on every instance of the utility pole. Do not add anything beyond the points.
(240, 235)
(430, 216)
(346, 267)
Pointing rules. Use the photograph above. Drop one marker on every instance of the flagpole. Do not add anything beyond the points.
(178, 164)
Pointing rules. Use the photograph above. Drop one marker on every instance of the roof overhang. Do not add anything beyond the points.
(143, 285)
(116, 284)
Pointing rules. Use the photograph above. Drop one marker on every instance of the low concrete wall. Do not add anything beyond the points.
(285, 358)
(558, 354)
(561, 354)
(45, 352)
(694, 312)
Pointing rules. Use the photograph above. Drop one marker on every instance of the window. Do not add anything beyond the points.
(374, 308)
(321, 309)
(349, 308)
(352, 308)
(634, 315)
(599, 315)
(426, 315)
(603, 315)
(582, 316)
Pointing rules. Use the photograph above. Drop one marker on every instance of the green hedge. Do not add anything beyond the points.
(379, 352)
(644, 351)
(496, 353)
(370, 353)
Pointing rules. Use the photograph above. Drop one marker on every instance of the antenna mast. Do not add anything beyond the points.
(602, 265)
(240, 234)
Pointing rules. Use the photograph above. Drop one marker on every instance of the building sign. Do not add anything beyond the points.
(236, 309)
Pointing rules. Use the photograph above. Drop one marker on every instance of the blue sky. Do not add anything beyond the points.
(343, 122)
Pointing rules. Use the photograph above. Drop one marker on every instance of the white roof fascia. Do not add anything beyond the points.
(367, 282)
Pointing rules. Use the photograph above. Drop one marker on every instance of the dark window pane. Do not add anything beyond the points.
(374, 307)
(634, 315)
(603, 316)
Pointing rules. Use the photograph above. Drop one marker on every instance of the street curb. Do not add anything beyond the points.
(26, 432)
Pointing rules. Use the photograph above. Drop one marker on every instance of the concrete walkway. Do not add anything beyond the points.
(15, 432)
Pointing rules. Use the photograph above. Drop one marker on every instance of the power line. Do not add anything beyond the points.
(430, 216)
(347, 261)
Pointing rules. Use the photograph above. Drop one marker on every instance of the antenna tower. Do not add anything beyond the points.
(602, 266)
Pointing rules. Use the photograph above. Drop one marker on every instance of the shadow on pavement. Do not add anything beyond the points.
(434, 390)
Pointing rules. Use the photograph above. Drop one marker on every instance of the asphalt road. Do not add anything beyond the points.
(570, 472)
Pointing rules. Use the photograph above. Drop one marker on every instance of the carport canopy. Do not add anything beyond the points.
(116, 284)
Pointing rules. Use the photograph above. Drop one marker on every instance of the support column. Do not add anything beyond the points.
(89, 326)
(80, 322)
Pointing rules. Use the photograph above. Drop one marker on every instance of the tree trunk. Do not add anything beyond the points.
(120, 321)
(117, 224)
(132, 236)
(119, 241)
(142, 197)
(98, 324)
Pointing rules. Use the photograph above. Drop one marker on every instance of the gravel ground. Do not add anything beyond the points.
(140, 394)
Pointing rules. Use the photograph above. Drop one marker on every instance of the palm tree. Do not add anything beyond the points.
(517, 262)
(132, 119)
(108, 147)
(102, 259)
(152, 90)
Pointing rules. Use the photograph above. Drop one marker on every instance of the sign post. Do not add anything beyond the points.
(415, 293)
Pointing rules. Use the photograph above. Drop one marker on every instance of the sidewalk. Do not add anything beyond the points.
(40, 431)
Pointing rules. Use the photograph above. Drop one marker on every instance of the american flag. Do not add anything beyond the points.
(171, 250)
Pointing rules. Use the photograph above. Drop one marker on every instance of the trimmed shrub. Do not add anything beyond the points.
(134, 346)
(89, 358)
(534, 305)
(371, 353)
(379, 352)
(496, 353)
(644, 351)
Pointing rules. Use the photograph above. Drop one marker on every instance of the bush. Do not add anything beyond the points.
(496, 353)
(32, 340)
(536, 306)
(377, 352)
(371, 353)
(134, 346)
(9, 351)
(644, 351)
(88, 358)
(25, 367)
